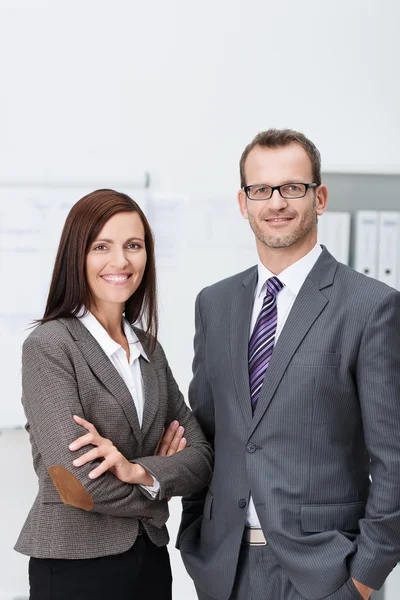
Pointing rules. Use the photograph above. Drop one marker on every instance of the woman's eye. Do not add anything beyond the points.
(100, 247)
(134, 246)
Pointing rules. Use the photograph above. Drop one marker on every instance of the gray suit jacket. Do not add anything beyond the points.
(327, 417)
(65, 372)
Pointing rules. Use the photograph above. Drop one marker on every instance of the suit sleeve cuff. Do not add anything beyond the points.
(369, 572)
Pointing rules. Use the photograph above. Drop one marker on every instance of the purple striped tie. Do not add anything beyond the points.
(262, 339)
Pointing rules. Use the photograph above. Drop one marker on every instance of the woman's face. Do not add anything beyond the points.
(116, 260)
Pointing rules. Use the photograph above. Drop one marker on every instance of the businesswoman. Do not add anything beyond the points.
(105, 416)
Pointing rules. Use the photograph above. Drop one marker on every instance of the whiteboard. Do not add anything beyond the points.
(199, 240)
(32, 215)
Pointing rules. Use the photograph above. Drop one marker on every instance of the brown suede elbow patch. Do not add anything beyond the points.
(70, 489)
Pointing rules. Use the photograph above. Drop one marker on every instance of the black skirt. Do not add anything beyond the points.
(144, 571)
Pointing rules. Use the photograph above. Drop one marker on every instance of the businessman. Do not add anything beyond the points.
(296, 381)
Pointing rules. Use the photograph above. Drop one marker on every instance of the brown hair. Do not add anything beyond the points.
(69, 289)
(273, 138)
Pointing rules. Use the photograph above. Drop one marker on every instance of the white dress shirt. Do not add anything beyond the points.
(293, 278)
(129, 371)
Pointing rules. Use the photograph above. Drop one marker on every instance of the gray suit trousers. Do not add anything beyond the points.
(260, 577)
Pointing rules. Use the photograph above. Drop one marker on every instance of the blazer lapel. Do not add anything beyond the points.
(105, 371)
(151, 393)
(241, 310)
(308, 305)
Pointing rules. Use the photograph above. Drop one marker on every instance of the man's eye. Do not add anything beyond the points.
(260, 190)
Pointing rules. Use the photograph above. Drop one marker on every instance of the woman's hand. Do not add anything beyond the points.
(113, 460)
(172, 441)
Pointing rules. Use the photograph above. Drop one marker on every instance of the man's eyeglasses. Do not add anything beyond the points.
(288, 191)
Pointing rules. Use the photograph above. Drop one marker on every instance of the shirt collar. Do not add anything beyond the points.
(135, 347)
(293, 276)
(108, 345)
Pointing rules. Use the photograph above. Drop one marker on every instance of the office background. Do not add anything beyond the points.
(95, 89)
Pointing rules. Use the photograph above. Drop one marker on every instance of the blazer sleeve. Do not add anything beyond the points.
(202, 403)
(50, 397)
(190, 469)
(378, 380)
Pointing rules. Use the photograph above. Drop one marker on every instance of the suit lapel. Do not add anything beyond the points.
(105, 371)
(151, 393)
(151, 390)
(241, 310)
(308, 305)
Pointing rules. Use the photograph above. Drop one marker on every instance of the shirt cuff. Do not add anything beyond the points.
(152, 489)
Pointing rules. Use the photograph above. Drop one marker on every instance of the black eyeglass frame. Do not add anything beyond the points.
(308, 186)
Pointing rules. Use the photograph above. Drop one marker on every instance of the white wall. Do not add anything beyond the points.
(95, 87)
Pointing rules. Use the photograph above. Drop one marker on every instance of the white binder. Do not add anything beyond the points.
(366, 246)
(334, 233)
(389, 247)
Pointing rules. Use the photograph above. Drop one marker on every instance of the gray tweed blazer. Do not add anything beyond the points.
(65, 372)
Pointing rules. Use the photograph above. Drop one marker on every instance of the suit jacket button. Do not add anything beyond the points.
(251, 448)
(242, 503)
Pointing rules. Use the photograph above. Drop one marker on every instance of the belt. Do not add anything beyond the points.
(253, 536)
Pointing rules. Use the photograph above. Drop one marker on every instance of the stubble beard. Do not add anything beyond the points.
(304, 227)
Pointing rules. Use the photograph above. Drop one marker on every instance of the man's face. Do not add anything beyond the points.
(278, 222)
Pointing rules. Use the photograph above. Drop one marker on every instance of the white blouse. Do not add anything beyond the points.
(129, 371)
